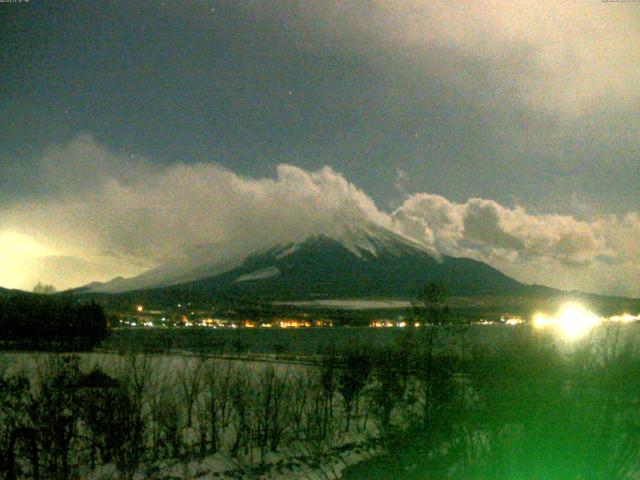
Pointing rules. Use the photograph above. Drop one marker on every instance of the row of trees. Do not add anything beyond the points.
(518, 409)
(64, 422)
(48, 321)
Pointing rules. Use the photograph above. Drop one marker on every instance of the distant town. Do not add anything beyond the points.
(183, 315)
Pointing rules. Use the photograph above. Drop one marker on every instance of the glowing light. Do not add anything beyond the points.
(139, 308)
(19, 256)
(624, 318)
(513, 321)
(541, 321)
(575, 321)
(572, 321)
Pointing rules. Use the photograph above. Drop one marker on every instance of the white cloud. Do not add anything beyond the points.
(600, 254)
(108, 210)
(112, 216)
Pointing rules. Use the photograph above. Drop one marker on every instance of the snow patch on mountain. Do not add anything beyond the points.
(372, 239)
(288, 251)
(261, 274)
(349, 304)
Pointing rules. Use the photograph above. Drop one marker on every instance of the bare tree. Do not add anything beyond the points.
(55, 415)
(135, 376)
(157, 390)
(272, 393)
(190, 381)
(328, 386)
(240, 419)
(389, 388)
(352, 376)
(44, 288)
(15, 400)
(430, 305)
(169, 423)
(300, 391)
(214, 408)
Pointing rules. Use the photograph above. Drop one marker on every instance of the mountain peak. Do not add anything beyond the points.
(203, 261)
(346, 261)
(371, 239)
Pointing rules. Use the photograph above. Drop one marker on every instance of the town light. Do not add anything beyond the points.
(541, 321)
(625, 318)
(576, 321)
(572, 321)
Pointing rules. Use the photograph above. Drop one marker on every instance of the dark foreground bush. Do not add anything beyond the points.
(525, 410)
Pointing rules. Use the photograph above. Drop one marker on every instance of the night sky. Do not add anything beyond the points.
(504, 131)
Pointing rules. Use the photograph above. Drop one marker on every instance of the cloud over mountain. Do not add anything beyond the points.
(546, 248)
(104, 213)
(484, 227)
(114, 210)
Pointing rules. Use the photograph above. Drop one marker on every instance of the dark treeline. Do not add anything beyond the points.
(49, 321)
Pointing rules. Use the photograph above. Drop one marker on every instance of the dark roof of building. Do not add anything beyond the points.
(97, 379)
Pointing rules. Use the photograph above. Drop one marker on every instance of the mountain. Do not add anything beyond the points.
(4, 292)
(370, 262)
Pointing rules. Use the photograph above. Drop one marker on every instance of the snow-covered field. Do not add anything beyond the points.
(207, 418)
(350, 304)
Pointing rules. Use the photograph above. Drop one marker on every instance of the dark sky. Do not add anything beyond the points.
(193, 81)
(254, 84)
(527, 104)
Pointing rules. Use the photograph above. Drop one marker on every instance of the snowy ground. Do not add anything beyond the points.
(293, 463)
(294, 459)
(353, 304)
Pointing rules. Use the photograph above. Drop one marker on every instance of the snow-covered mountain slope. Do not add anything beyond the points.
(348, 262)
(206, 261)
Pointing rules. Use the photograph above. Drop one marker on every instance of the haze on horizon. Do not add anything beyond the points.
(504, 131)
